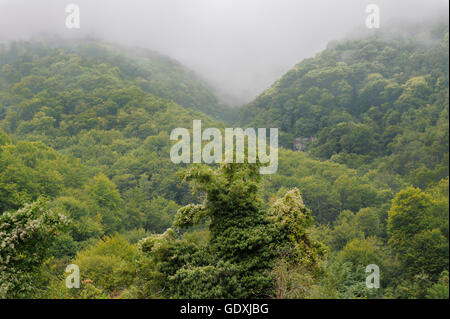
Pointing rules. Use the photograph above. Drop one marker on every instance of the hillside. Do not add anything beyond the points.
(87, 108)
(150, 71)
(374, 103)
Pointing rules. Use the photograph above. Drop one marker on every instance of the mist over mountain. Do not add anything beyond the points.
(239, 47)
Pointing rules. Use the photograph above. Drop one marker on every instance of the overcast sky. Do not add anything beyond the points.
(238, 46)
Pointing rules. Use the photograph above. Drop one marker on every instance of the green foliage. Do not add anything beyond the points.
(106, 268)
(30, 169)
(415, 235)
(327, 188)
(292, 219)
(25, 236)
(244, 241)
(439, 290)
(107, 199)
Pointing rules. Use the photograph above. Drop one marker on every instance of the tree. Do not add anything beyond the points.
(440, 289)
(244, 244)
(107, 202)
(25, 236)
(368, 221)
(420, 246)
(107, 266)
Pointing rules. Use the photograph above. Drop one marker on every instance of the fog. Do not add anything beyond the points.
(239, 47)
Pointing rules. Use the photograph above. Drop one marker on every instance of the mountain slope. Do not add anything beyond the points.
(150, 71)
(87, 108)
(366, 102)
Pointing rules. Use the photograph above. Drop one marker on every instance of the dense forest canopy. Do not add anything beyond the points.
(376, 102)
(86, 178)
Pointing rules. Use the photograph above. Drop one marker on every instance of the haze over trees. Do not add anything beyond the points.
(86, 178)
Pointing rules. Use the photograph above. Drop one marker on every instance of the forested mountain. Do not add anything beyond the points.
(148, 70)
(86, 177)
(377, 102)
